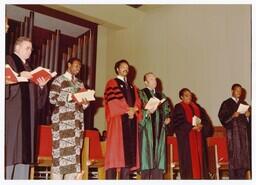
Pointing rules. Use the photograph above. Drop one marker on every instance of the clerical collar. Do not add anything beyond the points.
(236, 100)
(152, 90)
(121, 78)
(24, 61)
(68, 75)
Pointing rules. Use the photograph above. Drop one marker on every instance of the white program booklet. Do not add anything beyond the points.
(195, 120)
(242, 108)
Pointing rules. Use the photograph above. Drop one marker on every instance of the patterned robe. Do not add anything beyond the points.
(67, 126)
(153, 133)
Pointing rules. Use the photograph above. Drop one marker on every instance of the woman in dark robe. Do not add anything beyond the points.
(191, 137)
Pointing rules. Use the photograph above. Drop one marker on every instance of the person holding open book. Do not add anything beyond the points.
(22, 102)
(156, 115)
(123, 113)
(191, 126)
(234, 116)
(67, 123)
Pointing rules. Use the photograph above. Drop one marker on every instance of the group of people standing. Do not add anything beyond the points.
(136, 137)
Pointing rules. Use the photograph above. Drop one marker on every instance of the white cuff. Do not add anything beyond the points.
(85, 106)
(69, 96)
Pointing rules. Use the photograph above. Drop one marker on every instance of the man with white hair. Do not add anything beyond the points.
(21, 101)
(153, 128)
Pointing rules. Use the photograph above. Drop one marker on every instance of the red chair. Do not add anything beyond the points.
(42, 168)
(217, 155)
(94, 145)
(172, 156)
(93, 154)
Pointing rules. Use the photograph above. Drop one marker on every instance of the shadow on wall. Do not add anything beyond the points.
(159, 88)
(132, 74)
(94, 107)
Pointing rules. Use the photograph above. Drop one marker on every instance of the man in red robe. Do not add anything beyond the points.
(122, 109)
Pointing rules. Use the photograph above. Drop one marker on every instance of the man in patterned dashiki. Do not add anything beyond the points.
(67, 123)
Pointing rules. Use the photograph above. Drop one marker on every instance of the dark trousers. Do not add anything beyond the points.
(124, 173)
(152, 174)
(237, 173)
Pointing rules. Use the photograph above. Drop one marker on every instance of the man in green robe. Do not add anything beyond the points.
(156, 117)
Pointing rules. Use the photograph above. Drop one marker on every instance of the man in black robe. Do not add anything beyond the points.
(21, 102)
(236, 125)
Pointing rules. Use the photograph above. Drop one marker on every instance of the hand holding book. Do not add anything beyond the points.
(196, 122)
(41, 76)
(11, 77)
(84, 95)
(153, 103)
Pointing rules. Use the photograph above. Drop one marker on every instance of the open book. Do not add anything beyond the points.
(41, 72)
(84, 94)
(153, 103)
(11, 75)
(242, 108)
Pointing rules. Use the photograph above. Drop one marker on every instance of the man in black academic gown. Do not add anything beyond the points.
(21, 105)
(236, 125)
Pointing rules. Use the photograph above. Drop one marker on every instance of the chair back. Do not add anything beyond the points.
(221, 143)
(45, 141)
(171, 140)
(95, 151)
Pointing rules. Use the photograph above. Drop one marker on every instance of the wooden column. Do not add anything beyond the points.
(56, 56)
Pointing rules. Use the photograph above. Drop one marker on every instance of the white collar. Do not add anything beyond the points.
(152, 90)
(121, 78)
(236, 100)
(68, 75)
(24, 61)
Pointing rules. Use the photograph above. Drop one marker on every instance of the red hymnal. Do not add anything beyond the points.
(12, 76)
(41, 72)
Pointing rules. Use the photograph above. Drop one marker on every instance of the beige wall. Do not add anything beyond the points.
(206, 48)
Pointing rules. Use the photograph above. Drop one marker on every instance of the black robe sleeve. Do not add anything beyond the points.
(207, 129)
(225, 115)
(180, 124)
(182, 129)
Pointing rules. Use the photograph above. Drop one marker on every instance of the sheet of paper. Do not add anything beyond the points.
(242, 108)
